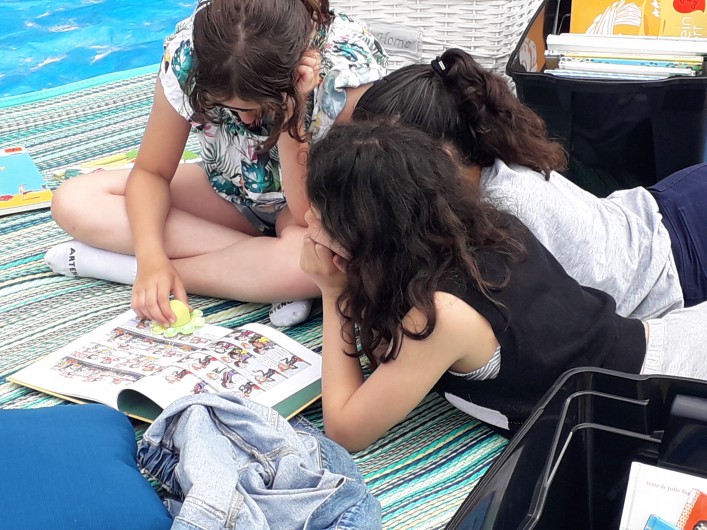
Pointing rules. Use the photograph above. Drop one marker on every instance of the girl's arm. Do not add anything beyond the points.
(293, 154)
(293, 172)
(148, 202)
(356, 411)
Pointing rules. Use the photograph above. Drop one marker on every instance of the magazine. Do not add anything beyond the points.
(663, 499)
(22, 187)
(126, 365)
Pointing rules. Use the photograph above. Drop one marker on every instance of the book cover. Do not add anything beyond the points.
(119, 161)
(531, 53)
(126, 365)
(577, 74)
(628, 61)
(656, 523)
(22, 187)
(695, 61)
(564, 43)
(694, 514)
(626, 67)
(668, 18)
(660, 498)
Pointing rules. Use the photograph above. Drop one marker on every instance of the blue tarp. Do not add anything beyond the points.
(46, 44)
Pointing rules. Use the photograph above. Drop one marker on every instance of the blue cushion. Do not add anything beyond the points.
(73, 466)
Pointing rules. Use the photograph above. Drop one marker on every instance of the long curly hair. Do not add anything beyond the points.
(251, 49)
(400, 204)
(469, 106)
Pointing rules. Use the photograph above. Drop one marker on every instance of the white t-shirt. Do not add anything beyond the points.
(617, 244)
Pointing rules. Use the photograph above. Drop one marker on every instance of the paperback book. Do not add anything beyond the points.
(568, 42)
(22, 186)
(663, 499)
(621, 56)
(127, 365)
(626, 67)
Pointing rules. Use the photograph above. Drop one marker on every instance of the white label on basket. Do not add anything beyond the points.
(398, 41)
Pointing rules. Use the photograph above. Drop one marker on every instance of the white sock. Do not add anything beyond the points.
(78, 259)
(290, 313)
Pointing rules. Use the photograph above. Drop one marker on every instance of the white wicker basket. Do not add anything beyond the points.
(488, 29)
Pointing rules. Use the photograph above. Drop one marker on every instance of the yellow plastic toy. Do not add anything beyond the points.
(185, 324)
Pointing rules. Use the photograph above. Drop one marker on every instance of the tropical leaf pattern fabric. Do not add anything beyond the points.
(351, 57)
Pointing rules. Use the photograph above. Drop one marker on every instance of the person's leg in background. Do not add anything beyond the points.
(682, 200)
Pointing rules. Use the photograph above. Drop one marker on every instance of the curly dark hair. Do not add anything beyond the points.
(251, 49)
(469, 106)
(400, 204)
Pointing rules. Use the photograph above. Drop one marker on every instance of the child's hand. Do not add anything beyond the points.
(316, 231)
(325, 268)
(156, 280)
(308, 72)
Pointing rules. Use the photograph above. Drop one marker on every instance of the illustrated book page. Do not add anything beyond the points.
(660, 18)
(127, 366)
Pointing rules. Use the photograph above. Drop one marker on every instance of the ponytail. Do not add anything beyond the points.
(503, 126)
(456, 99)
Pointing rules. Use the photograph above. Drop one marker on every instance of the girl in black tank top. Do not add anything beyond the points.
(430, 284)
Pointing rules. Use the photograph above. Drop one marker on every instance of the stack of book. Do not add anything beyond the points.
(627, 39)
(624, 56)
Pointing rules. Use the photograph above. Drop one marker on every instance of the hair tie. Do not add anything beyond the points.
(202, 5)
(439, 67)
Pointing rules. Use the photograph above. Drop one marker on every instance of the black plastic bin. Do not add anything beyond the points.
(619, 134)
(568, 466)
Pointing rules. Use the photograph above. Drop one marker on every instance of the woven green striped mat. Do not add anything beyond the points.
(421, 471)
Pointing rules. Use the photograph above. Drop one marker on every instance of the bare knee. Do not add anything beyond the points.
(81, 201)
(66, 203)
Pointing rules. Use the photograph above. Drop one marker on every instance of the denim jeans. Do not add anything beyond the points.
(682, 201)
(228, 462)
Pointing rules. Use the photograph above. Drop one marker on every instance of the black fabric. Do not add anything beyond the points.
(546, 323)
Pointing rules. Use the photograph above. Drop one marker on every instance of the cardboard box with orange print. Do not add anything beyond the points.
(668, 18)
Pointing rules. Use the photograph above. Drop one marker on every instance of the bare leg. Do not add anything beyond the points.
(259, 269)
(91, 208)
(212, 245)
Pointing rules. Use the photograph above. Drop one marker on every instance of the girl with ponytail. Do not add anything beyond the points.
(257, 80)
(645, 247)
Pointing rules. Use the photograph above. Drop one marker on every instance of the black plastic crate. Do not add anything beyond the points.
(569, 464)
(619, 134)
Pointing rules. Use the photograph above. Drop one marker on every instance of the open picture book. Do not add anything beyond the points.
(126, 365)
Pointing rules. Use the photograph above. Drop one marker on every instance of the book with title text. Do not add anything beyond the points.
(126, 365)
(664, 499)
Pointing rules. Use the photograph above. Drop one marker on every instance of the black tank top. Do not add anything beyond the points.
(546, 324)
